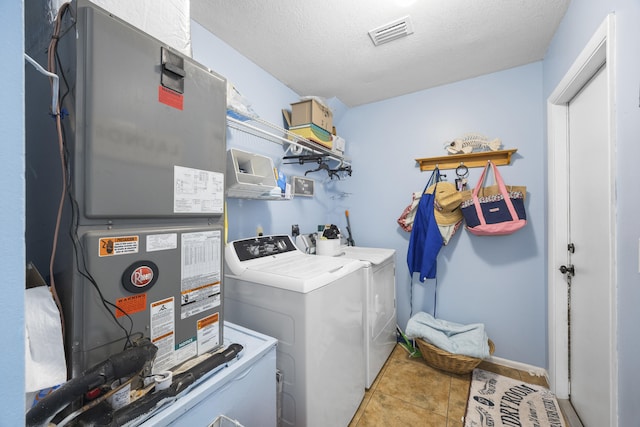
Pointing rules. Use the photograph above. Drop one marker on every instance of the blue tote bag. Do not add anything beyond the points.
(425, 240)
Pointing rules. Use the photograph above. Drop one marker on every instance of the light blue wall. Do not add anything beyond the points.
(268, 97)
(581, 21)
(499, 281)
(12, 262)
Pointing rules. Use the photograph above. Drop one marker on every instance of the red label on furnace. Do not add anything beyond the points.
(171, 98)
(131, 304)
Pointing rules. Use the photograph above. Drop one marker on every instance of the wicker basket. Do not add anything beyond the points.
(449, 362)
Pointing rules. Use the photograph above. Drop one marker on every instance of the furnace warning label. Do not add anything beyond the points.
(200, 272)
(110, 246)
(197, 191)
(195, 305)
(163, 333)
(208, 333)
(131, 304)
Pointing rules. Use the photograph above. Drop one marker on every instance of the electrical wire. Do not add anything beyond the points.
(81, 265)
(79, 251)
(56, 113)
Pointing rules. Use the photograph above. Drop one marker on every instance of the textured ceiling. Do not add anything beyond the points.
(322, 47)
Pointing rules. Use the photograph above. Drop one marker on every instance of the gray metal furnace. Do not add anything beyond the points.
(140, 252)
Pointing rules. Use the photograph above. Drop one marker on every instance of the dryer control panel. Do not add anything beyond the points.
(262, 246)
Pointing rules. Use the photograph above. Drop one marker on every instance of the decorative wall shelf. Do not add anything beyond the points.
(472, 160)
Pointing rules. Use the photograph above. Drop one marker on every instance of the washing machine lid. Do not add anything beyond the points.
(276, 261)
(375, 256)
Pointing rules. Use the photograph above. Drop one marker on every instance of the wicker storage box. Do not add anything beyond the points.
(449, 362)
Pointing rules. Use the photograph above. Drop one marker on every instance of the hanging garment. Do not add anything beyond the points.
(409, 213)
(425, 240)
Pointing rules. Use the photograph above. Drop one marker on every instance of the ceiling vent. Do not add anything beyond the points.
(393, 30)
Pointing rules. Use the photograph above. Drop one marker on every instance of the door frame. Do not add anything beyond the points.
(598, 51)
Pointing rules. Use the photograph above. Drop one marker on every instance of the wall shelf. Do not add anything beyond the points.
(294, 143)
(472, 160)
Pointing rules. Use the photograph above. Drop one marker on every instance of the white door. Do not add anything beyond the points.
(589, 235)
(581, 210)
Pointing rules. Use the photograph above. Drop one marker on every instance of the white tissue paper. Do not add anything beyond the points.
(44, 351)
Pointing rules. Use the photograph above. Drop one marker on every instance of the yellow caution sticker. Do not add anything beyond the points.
(110, 246)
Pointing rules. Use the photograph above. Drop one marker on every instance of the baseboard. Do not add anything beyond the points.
(569, 413)
(532, 370)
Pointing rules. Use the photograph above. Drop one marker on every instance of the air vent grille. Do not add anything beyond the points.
(393, 30)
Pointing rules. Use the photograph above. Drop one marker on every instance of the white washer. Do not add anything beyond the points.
(313, 306)
(380, 309)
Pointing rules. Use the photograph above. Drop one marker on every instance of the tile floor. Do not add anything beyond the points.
(408, 392)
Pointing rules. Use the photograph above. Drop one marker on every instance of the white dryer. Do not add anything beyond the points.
(313, 306)
(380, 305)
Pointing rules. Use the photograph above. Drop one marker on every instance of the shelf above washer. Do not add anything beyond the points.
(292, 142)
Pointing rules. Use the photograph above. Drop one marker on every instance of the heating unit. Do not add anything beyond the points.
(140, 246)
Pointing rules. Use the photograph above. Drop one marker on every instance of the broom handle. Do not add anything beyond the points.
(350, 241)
